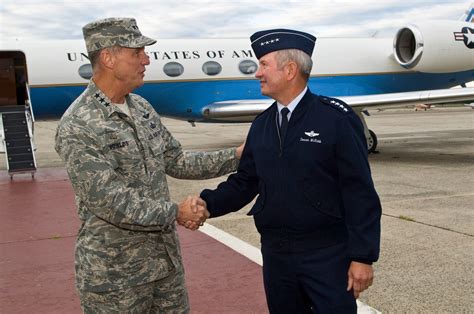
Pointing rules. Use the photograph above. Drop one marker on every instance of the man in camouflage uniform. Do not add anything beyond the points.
(117, 154)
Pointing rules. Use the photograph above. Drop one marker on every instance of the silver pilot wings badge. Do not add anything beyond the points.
(311, 134)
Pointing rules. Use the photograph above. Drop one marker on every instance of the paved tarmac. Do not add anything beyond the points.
(424, 174)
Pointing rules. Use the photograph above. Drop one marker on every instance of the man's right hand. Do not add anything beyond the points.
(240, 150)
(192, 212)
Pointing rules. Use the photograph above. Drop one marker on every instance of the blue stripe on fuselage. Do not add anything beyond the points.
(184, 100)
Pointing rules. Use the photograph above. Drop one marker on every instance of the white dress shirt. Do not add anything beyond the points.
(292, 105)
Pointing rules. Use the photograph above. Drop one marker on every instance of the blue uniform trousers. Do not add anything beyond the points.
(312, 281)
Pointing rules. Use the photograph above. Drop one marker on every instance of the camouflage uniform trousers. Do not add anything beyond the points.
(167, 295)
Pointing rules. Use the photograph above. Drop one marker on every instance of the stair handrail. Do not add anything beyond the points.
(29, 103)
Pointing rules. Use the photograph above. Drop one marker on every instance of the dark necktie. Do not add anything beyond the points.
(284, 122)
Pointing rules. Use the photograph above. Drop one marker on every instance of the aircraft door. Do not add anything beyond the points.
(8, 96)
(13, 78)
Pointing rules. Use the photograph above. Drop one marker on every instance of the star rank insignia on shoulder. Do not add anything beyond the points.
(101, 99)
(335, 103)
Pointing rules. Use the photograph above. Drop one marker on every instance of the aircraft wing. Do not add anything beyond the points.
(247, 110)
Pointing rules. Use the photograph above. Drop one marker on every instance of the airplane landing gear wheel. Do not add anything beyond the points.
(372, 142)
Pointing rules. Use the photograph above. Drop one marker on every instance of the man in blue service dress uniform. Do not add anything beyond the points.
(317, 209)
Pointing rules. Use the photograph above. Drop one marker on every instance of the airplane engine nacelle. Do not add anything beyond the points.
(435, 47)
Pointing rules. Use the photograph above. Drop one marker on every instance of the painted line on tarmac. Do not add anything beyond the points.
(254, 254)
(406, 137)
(245, 249)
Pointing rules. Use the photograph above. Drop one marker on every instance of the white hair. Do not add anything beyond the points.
(301, 58)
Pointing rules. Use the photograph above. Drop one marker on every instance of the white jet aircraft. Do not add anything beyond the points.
(212, 80)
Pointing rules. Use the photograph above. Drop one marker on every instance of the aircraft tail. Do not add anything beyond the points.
(468, 15)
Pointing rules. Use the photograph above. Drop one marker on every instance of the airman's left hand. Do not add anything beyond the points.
(360, 277)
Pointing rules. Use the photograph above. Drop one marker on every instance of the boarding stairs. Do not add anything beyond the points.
(16, 127)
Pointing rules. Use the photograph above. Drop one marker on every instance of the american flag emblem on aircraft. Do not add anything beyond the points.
(458, 36)
(466, 35)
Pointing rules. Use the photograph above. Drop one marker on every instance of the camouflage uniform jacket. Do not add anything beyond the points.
(117, 167)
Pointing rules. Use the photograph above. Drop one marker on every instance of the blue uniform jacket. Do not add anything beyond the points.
(314, 187)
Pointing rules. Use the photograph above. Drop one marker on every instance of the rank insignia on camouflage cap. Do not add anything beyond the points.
(109, 32)
(264, 42)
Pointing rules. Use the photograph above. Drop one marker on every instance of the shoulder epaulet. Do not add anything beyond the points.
(335, 103)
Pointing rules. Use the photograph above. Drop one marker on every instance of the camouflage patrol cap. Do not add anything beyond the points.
(113, 31)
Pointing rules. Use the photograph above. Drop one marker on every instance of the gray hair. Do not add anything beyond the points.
(94, 55)
(302, 59)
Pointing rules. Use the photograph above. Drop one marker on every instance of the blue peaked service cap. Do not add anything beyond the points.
(264, 42)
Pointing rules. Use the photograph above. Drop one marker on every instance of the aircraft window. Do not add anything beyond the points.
(173, 69)
(248, 67)
(211, 68)
(85, 71)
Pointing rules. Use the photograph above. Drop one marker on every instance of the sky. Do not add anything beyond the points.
(63, 19)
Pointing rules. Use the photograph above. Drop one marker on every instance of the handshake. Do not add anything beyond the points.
(192, 212)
